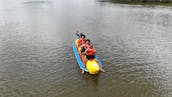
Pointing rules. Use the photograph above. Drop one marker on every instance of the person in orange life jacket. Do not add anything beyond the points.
(90, 54)
(81, 40)
(85, 46)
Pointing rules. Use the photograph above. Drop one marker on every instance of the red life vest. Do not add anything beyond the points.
(81, 41)
(91, 51)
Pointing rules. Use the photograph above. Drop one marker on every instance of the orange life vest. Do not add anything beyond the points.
(91, 51)
(81, 41)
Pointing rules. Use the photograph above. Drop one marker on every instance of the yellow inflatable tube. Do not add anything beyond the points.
(91, 65)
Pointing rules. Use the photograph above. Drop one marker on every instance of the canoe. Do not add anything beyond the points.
(92, 66)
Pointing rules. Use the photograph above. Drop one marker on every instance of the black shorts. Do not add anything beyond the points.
(90, 57)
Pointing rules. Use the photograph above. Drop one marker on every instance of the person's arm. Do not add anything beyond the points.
(79, 44)
(77, 33)
(94, 50)
(82, 45)
(86, 51)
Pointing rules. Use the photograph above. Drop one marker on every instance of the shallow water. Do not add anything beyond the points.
(37, 59)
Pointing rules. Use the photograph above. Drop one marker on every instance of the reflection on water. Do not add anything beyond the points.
(36, 56)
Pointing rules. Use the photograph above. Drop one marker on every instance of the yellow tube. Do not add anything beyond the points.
(92, 66)
(76, 42)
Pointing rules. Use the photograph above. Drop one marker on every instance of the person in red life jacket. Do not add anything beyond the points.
(85, 46)
(81, 40)
(90, 52)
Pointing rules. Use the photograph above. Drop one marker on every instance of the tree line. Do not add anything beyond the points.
(144, 1)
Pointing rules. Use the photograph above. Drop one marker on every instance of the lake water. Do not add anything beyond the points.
(37, 59)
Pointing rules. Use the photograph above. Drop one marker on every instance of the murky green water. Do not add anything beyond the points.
(37, 59)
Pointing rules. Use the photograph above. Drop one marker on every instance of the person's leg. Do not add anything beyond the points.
(101, 69)
(84, 59)
(82, 71)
